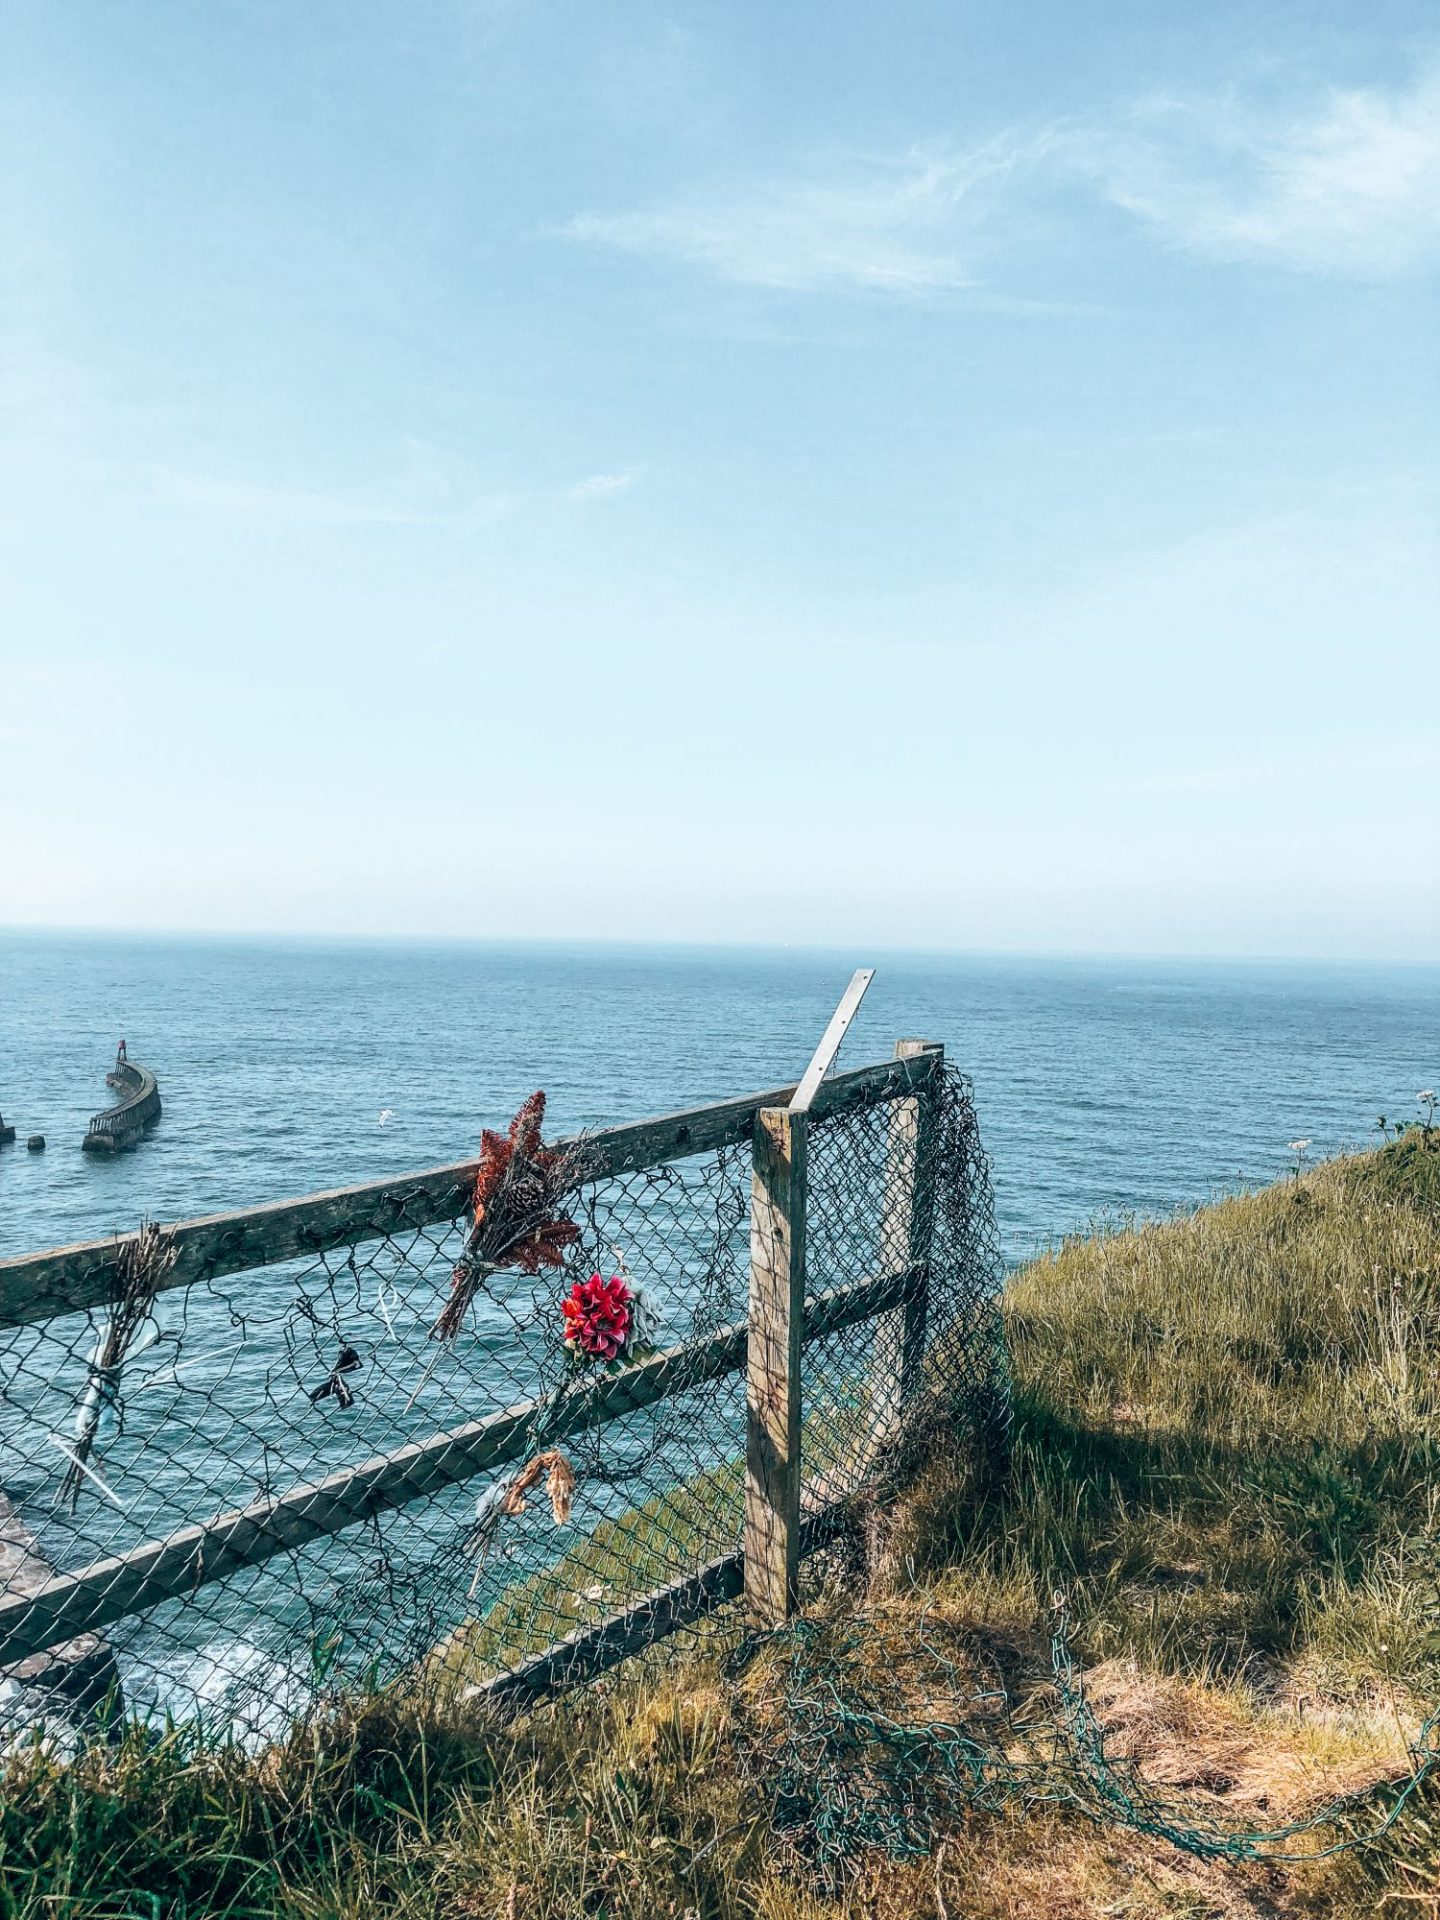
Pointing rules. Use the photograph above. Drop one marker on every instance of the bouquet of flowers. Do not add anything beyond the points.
(607, 1322)
(518, 1220)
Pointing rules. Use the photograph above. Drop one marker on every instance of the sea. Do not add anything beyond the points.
(1105, 1087)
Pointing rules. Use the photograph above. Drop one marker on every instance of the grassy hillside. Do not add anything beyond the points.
(1225, 1457)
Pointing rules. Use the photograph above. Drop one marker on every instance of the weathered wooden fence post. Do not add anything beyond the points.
(907, 1223)
(772, 1407)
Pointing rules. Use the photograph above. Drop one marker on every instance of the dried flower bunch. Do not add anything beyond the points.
(140, 1268)
(518, 1220)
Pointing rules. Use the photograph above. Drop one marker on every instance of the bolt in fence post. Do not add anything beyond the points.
(772, 1407)
(907, 1224)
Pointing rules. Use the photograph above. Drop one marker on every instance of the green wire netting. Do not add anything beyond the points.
(877, 1733)
(875, 1730)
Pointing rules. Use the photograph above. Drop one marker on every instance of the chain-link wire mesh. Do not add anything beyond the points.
(903, 1187)
(510, 1516)
(875, 1730)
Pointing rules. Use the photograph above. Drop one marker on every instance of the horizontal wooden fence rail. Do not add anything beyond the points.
(96, 1596)
(39, 1286)
(590, 1651)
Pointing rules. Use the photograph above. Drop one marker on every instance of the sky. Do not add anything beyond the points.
(910, 474)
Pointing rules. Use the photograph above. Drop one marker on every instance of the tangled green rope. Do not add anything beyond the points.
(1119, 1795)
(848, 1771)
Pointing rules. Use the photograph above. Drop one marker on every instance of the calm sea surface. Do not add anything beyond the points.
(1101, 1085)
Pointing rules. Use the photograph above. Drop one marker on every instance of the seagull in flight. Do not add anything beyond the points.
(386, 1113)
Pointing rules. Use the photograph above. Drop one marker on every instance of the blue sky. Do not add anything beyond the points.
(917, 474)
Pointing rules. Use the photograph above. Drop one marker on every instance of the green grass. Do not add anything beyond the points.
(1227, 1432)
(1225, 1453)
(621, 1559)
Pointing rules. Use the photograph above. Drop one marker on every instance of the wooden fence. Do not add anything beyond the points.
(783, 1315)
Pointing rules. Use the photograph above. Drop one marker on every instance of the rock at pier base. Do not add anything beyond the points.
(36, 1143)
(75, 1684)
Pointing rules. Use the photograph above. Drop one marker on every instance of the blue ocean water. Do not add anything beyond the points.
(1102, 1085)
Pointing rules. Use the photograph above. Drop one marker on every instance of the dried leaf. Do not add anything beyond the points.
(559, 1477)
(514, 1500)
(560, 1485)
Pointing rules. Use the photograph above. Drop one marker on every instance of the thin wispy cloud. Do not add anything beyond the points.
(450, 506)
(1286, 770)
(602, 486)
(1347, 183)
(905, 225)
(273, 505)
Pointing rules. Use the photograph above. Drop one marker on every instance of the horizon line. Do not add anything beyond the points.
(623, 943)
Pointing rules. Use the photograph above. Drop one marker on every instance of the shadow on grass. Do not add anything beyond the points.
(1203, 1557)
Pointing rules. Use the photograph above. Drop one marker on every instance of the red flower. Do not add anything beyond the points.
(597, 1317)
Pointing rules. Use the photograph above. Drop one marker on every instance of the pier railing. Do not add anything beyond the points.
(243, 1469)
(138, 1105)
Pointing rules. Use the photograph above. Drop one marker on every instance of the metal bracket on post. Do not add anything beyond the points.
(777, 1309)
(824, 1056)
